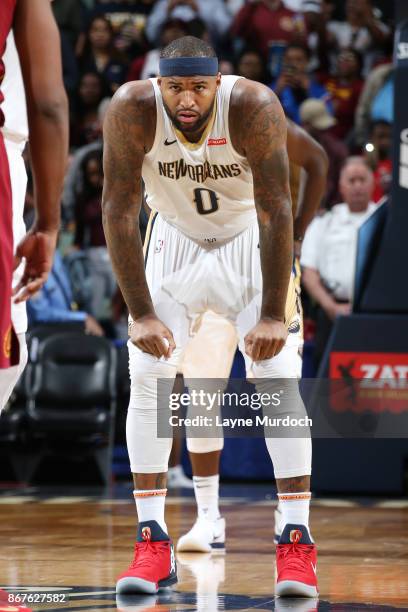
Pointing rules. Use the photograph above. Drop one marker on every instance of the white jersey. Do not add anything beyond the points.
(204, 189)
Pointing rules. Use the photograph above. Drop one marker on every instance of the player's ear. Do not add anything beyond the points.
(159, 81)
(218, 79)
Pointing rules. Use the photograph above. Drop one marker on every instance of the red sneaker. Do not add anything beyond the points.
(296, 563)
(154, 563)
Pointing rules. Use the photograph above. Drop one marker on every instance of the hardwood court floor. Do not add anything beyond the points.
(78, 546)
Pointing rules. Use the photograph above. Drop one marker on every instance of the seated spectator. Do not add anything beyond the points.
(378, 155)
(54, 302)
(147, 66)
(345, 88)
(74, 178)
(213, 13)
(318, 122)
(250, 65)
(260, 24)
(329, 249)
(85, 124)
(379, 85)
(99, 54)
(361, 31)
(89, 234)
(295, 85)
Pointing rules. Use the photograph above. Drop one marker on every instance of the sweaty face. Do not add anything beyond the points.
(356, 186)
(189, 101)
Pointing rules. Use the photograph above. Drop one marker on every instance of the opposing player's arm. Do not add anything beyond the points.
(38, 45)
(125, 144)
(263, 141)
(305, 152)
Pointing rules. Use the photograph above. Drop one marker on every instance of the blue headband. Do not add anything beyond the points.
(188, 66)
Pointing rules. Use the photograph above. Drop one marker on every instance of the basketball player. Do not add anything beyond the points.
(39, 53)
(211, 151)
(210, 353)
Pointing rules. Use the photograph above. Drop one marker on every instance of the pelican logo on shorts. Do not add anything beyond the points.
(294, 327)
(146, 533)
(159, 246)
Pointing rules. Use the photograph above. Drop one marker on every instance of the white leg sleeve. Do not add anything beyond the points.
(9, 376)
(290, 456)
(148, 453)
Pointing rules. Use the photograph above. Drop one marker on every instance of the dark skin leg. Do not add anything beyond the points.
(205, 464)
(208, 464)
(300, 484)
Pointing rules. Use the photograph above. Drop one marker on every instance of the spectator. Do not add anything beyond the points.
(74, 179)
(226, 66)
(214, 13)
(329, 248)
(85, 124)
(318, 122)
(89, 234)
(99, 54)
(345, 88)
(260, 24)
(148, 65)
(54, 302)
(250, 65)
(379, 82)
(295, 85)
(379, 158)
(319, 40)
(361, 31)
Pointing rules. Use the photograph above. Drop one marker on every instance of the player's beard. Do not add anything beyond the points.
(194, 127)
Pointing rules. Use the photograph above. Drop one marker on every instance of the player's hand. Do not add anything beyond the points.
(37, 248)
(149, 334)
(266, 339)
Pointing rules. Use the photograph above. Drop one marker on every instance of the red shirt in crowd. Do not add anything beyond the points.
(345, 99)
(260, 25)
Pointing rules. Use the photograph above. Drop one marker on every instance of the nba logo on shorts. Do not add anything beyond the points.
(159, 246)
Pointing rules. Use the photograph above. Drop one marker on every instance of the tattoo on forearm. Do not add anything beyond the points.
(265, 146)
(123, 158)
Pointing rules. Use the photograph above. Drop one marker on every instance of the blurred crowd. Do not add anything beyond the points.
(329, 61)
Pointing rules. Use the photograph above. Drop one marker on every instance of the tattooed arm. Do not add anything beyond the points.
(258, 131)
(128, 134)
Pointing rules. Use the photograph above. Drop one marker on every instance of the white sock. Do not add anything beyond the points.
(295, 508)
(206, 494)
(150, 506)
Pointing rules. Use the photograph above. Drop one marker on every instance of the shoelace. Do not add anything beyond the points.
(296, 554)
(145, 552)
